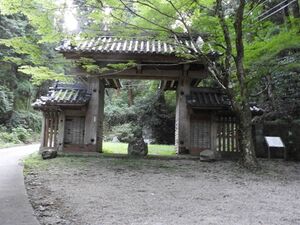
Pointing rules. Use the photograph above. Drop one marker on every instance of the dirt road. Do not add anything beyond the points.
(158, 192)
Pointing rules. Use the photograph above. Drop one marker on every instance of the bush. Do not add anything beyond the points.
(127, 132)
(16, 135)
(7, 137)
(28, 120)
(6, 103)
(22, 134)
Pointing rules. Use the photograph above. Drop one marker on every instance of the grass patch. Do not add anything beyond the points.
(34, 161)
(121, 148)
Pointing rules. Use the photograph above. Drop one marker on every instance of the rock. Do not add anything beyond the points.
(115, 139)
(207, 156)
(42, 208)
(148, 141)
(49, 154)
(137, 147)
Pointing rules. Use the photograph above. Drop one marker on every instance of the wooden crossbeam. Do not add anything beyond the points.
(148, 74)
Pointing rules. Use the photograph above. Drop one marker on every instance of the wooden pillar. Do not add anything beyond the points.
(46, 130)
(182, 122)
(213, 135)
(43, 132)
(101, 115)
(56, 130)
(61, 131)
(94, 115)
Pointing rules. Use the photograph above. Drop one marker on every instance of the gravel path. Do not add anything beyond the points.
(74, 190)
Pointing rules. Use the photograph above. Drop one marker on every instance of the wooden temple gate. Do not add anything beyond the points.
(77, 123)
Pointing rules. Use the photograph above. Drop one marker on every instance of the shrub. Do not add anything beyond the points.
(16, 135)
(28, 120)
(6, 102)
(22, 134)
(6, 137)
(126, 132)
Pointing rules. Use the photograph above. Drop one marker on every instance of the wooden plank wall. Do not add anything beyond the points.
(74, 130)
(227, 134)
(200, 134)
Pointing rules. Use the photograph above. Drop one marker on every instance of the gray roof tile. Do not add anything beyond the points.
(107, 44)
(63, 94)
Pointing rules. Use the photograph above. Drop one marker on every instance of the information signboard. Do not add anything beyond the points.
(275, 142)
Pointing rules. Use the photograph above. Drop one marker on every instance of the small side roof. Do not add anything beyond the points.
(62, 94)
(208, 98)
(214, 98)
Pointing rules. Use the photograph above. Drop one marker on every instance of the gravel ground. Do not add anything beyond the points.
(96, 191)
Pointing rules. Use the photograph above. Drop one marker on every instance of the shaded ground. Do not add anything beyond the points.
(74, 190)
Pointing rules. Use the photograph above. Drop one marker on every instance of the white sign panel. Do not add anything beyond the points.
(274, 142)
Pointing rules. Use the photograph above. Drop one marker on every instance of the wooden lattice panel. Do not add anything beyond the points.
(227, 134)
(50, 129)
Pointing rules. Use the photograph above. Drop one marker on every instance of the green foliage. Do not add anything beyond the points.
(125, 132)
(6, 100)
(273, 61)
(16, 135)
(25, 128)
(40, 14)
(42, 73)
(23, 45)
(151, 111)
(267, 49)
(116, 114)
(90, 66)
(28, 39)
(7, 137)
(121, 66)
(27, 120)
(21, 134)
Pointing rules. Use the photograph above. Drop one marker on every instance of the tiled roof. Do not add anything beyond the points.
(207, 98)
(212, 98)
(63, 94)
(107, 44)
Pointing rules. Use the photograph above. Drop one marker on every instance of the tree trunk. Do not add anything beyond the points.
(245, 139)
(130, 94)
(296, 9)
